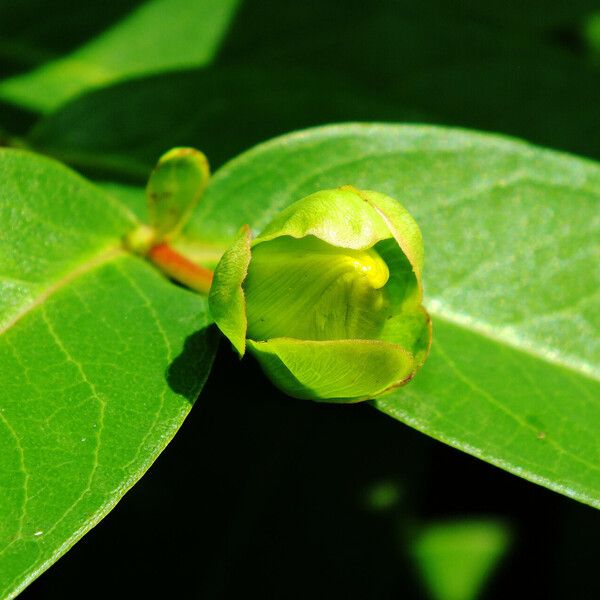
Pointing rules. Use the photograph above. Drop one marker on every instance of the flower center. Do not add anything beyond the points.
(308, 289)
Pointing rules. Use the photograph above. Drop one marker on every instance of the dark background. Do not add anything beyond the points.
(264, 495)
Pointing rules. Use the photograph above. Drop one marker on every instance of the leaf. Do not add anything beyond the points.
(26, 40)
(456, 558)
(132, 197)
(174, 188)
(101, 359)
(432, 72)
(160, 35)
(226, 299)
(122, 130)
(511, 280)
(591, 31)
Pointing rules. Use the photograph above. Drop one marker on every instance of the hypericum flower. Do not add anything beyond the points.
(328, 296)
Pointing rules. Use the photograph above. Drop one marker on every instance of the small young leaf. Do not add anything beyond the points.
(349, 370)
(226, 294)
(174, 188)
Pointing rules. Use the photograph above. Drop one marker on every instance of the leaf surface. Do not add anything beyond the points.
(511, 280)
(159, 35)
(101, 359)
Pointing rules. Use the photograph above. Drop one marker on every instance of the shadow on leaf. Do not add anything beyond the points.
(188, 372)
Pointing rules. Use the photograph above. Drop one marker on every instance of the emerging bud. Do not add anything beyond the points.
(328, 297)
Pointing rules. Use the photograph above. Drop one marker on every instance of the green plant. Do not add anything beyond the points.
(103, 354)
(329, 296)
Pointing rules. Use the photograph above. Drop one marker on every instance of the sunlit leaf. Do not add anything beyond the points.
(101, 359)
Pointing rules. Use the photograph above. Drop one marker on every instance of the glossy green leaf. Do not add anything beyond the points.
(511, 280)
(101, 359)
(457, 558)
(159, 35)
(132, 197)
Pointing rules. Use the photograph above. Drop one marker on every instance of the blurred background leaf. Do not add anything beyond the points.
(119, 131)
(394, 63)
(159, 35)
(456, 558)
(36, 31)
(591, 32)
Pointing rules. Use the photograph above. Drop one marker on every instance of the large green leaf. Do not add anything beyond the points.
(159, 35)
(101, 360)
(511, 280)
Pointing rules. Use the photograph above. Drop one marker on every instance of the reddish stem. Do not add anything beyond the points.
(181, 269)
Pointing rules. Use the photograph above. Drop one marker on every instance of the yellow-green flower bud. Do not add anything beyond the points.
(307, 289)
(328, 296)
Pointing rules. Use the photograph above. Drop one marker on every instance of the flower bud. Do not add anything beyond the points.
(328, 296)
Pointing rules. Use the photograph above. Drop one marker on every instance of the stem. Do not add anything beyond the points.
(181, 269)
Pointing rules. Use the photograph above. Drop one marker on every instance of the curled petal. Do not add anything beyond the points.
(335, 371)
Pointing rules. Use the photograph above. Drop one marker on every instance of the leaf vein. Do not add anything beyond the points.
(517, 418)
(101, 415)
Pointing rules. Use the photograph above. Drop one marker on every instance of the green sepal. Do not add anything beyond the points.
(410, 330)
(402, 287)
(341, 371)
(226, 299)
(174, 188)
(340, 217)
